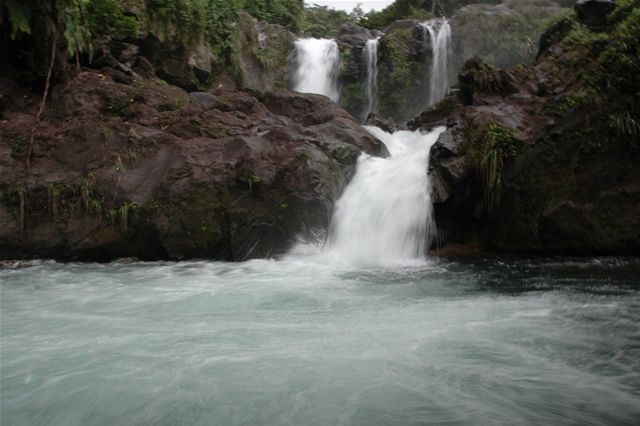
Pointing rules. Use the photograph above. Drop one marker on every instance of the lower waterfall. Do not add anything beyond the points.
(384, 215)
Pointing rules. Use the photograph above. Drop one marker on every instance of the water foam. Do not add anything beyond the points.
(385, 214)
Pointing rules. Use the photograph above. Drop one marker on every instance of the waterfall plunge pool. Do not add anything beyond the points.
(362, 330)
(301, 342)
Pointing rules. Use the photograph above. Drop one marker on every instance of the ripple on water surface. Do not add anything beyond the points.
(297, 341)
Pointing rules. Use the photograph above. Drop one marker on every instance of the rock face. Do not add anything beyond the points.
(352, 43)
(187, 67)
(259, 60)
(502, 34)
(404, 64)
(130, 167)
(529, 163)
(263, 53)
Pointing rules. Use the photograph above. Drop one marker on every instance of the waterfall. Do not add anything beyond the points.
(385, 213)
(440, 36)
(371, 81)
(317, 66)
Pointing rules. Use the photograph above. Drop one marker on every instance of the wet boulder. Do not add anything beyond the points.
(151, 171)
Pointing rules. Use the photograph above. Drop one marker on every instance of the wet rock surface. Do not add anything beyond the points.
(352, 42)
(563, 190)
(122, 166)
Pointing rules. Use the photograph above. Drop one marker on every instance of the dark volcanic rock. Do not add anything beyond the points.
(318, 113)
(594, 12)
(563, 191)
(550, 37)
(187, 67)
(404, 59)
(570, 226)
(147, 170)
(355, 35)
(352, 42)
(379, 121)
(264, 50)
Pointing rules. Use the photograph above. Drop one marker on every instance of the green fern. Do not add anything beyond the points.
(19, 16)
(497, 147)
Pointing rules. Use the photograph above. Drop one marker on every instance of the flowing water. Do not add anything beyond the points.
(301, 342)
(316, 64)
(440, 35)
(371, 80)
(355, 331)
(384, 216)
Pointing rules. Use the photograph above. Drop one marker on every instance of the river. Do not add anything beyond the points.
(296, 341)
(359, 328)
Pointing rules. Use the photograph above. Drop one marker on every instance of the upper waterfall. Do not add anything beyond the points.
(371, 80)
(317, 67)
(440, 36)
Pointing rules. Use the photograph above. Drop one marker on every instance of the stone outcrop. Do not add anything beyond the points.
(404, 64)
(189, 67)
(352, 42)
(259, 60)
(529, 163)
(122, 166)
(262, 54)
(503, 34)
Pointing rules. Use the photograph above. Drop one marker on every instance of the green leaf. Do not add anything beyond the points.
(19, 17)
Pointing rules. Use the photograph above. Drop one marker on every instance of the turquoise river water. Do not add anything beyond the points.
(301, 341)
(360, 330)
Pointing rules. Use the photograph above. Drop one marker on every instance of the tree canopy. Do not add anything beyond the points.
(323, 22)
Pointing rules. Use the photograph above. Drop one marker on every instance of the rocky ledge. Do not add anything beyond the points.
(118, 166)
(540, 159)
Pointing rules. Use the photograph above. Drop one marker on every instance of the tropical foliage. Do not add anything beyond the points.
(612, 89)
(42, 22)
(496, 148)
(323, 22)
(46, 20)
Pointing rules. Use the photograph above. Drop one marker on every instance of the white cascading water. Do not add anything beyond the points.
(371, 81)
(317, 67)
(440, 36)
(384, 216)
